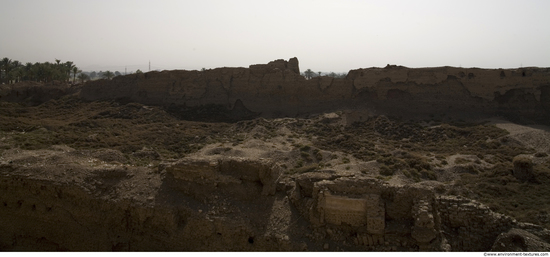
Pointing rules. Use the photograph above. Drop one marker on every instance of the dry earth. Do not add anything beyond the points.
(135, 177)
(533, 136)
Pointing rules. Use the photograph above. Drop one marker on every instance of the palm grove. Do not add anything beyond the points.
(13, 71)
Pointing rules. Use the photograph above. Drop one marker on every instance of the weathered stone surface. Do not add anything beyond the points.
(269, 176)
(305, 181)
(293, 65)
(340, 210)
(227, 171)
(423, 230)
(200, 171)
(376, 214)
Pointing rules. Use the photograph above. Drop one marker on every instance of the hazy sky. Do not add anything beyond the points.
(325, 35)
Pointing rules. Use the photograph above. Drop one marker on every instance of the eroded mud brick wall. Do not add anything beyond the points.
(469, 224)
(277, 89)
(406, 216)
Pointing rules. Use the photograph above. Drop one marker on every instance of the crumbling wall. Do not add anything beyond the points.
(277, 89)
(227, 172)
(230, 205)
(35, 93)
(424, 226)
(43, 216)
(109, 210)
(374, 212)
(471, 226)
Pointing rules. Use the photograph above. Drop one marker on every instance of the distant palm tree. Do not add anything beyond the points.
(75, 71)
(308, 74)
(28, 71)
(16, 64)
(68, 69)
(17, 70)
(18, 73)
(5, 65)
(83, 77)
(108, 74)
(46, 72)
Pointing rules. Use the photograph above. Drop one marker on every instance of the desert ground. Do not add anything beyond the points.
(120, 152)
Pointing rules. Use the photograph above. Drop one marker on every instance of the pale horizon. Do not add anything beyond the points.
(328, 36)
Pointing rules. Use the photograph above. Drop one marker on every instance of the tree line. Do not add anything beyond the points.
(13, 71)
(91, 75)
(102, 74)
(308, 74)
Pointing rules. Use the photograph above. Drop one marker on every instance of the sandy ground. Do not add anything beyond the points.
(534, 136)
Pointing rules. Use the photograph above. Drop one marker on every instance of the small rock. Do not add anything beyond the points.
(325, 246)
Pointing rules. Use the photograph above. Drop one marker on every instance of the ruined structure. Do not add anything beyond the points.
(268, 188)
(236, 204)
(405, 218)
(277, 89)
